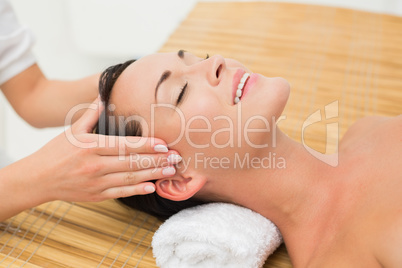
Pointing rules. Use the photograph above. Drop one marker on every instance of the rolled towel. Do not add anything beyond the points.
(215, 235)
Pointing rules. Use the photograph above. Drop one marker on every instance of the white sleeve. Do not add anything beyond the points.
(16, 42)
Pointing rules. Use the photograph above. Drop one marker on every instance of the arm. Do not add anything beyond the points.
(44, 103)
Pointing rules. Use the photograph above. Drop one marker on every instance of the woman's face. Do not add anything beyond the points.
(190, 103)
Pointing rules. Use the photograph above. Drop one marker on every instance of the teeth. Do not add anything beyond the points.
(244, 78)
(239, 91)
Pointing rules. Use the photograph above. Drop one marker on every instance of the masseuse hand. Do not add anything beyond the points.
(80, 166)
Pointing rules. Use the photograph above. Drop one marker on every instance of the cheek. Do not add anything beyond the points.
(201, 105)
(166, 124)
(200, 124)
(191, 123)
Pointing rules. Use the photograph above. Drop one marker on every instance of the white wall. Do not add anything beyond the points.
(65, 50)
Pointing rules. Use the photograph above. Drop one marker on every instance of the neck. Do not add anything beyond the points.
(297, 195)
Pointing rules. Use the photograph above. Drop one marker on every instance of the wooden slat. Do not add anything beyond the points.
(61, 234)
(328, 54)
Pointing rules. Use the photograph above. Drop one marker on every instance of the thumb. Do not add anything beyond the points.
(89, 119)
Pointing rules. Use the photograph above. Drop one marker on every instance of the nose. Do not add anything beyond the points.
(216, 65)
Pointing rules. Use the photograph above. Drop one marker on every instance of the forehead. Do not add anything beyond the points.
(134, 90)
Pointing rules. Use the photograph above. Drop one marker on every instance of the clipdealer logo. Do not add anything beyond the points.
(241, 130)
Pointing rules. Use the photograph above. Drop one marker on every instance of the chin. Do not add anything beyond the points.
(281, 88)
(276, 94)
(282, 85)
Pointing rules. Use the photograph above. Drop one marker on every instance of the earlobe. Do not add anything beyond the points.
(179, 188)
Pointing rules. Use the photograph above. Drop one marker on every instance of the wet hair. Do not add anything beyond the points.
(152, 204)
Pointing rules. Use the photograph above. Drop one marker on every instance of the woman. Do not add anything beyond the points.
(347, 216)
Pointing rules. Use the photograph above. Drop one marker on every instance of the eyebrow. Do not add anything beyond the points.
(167, 73)
(164, 76)
(180, 53)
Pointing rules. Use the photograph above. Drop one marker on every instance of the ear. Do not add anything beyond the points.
(179, 187)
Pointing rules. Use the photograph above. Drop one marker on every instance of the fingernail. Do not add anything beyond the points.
(160, 148)
(168, 171)
(174, 158)
(149, 189)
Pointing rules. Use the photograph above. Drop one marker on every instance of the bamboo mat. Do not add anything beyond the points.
(349, 62)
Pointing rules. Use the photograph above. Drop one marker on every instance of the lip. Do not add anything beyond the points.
(250, 83)
(236, 80)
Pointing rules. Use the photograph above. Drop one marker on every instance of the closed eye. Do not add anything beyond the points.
(181, 95)
(183, 89)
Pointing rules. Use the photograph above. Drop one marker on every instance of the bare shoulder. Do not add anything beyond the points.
(376, 144)
(389, 241)
(389, 244)
(362, 126)
(367, 124)
(373, 125)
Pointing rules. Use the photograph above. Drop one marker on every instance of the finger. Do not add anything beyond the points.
(136, 177)
(115, 145)
(90, 118)
(135, 162)
(126, 191)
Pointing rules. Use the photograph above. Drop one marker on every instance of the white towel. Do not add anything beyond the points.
(215, 235)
